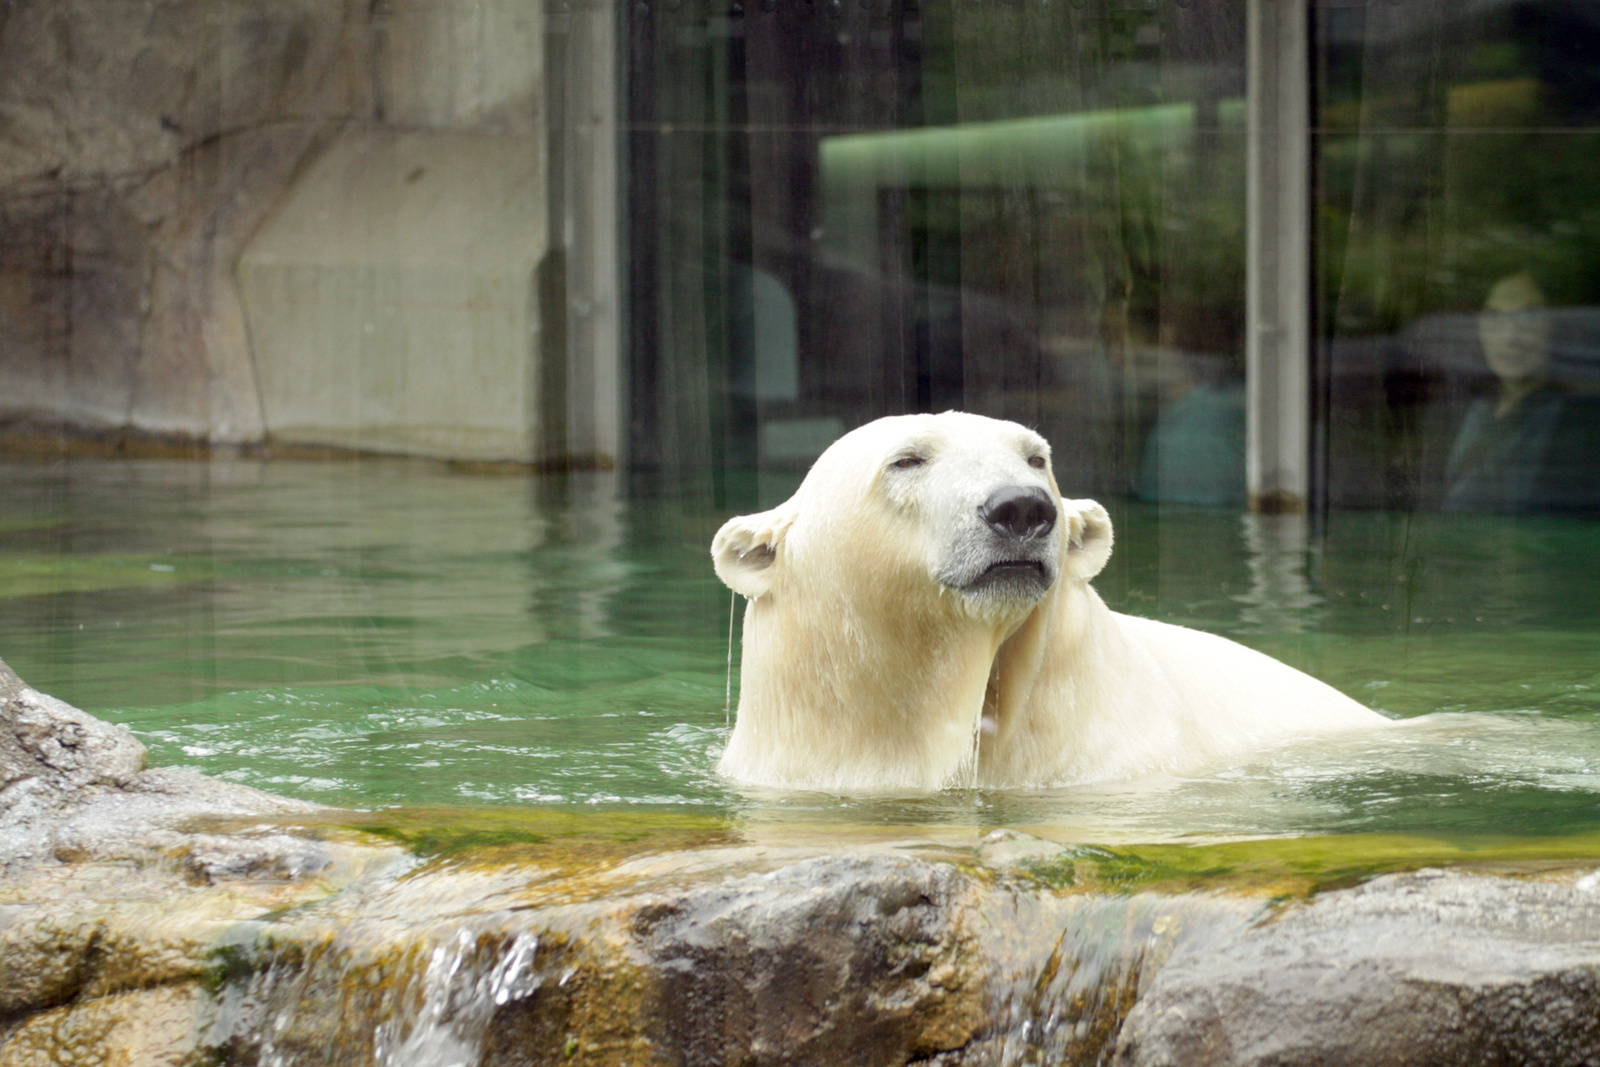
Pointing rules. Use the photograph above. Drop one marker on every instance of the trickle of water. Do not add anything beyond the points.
(727, 695)
(458, 998)
(294, 1005)
(1067, 1004)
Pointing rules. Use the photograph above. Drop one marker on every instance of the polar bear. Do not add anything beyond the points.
(920, 617)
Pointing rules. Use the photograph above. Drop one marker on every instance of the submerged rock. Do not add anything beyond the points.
(132, 931)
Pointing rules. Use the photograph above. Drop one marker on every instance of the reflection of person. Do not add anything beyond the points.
(1195, 451)
(1526, 447)
(1515, 331)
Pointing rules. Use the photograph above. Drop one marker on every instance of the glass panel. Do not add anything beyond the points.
(1457, 228)
(847, 210)
(315, 233)
(1459, 271)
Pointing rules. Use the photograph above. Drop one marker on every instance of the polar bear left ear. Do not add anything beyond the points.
(1086, 544)
(747, 547)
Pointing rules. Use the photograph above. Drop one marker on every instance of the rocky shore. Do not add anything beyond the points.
(153, 916)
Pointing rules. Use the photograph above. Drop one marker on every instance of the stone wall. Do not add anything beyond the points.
(146, 146)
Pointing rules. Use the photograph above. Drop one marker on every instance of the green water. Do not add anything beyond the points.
(374, 634)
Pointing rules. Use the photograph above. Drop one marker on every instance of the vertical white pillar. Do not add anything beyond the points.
(594, 268)
(1278, 257)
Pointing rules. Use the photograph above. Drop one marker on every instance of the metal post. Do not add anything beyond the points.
(1278, 259)
(589, 232)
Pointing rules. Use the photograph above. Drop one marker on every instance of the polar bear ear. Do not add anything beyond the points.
(746, 548)
(1087, 540)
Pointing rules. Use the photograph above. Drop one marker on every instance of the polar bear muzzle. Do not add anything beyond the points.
(1014, 557)
(1009, 555)
(1023, 512)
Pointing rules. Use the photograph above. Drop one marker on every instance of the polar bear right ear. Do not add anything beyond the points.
(1087, 540)
(746, 548)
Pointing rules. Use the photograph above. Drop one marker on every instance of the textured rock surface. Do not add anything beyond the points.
(739, 953)
(73, 787)
(1435, 967)
(388, 297)
(144, 143)
(58, 747)
(726, 953)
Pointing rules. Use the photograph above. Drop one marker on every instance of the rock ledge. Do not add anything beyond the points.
(273, 931)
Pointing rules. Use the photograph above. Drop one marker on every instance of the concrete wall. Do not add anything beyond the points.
(390, 300)
(205, 204)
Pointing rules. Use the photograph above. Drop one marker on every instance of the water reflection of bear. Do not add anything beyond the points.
(1533, 444)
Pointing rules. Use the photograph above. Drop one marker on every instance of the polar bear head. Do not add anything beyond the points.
(957, 505)
(882, 591)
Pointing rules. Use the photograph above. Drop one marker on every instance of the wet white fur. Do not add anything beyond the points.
(862, 672)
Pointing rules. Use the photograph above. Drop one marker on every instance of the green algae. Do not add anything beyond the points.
(1297, 866)
(227, 965)
(575, 841)
(498, 836)
(32, 574)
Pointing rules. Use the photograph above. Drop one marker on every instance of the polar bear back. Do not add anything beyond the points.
(1137, 696)
(1223, 696)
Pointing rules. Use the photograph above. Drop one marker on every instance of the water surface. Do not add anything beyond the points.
(379, 633)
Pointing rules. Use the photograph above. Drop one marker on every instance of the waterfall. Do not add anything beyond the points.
(458, 996)
(361, 997)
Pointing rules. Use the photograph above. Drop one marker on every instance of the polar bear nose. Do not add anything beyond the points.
(1023, 512)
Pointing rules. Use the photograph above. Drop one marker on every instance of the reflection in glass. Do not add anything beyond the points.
(833, 210)
(1030, 211)
(1529, 442)
(1459, 271)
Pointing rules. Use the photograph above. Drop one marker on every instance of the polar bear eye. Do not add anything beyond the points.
(907, 462)
(1036, 462)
